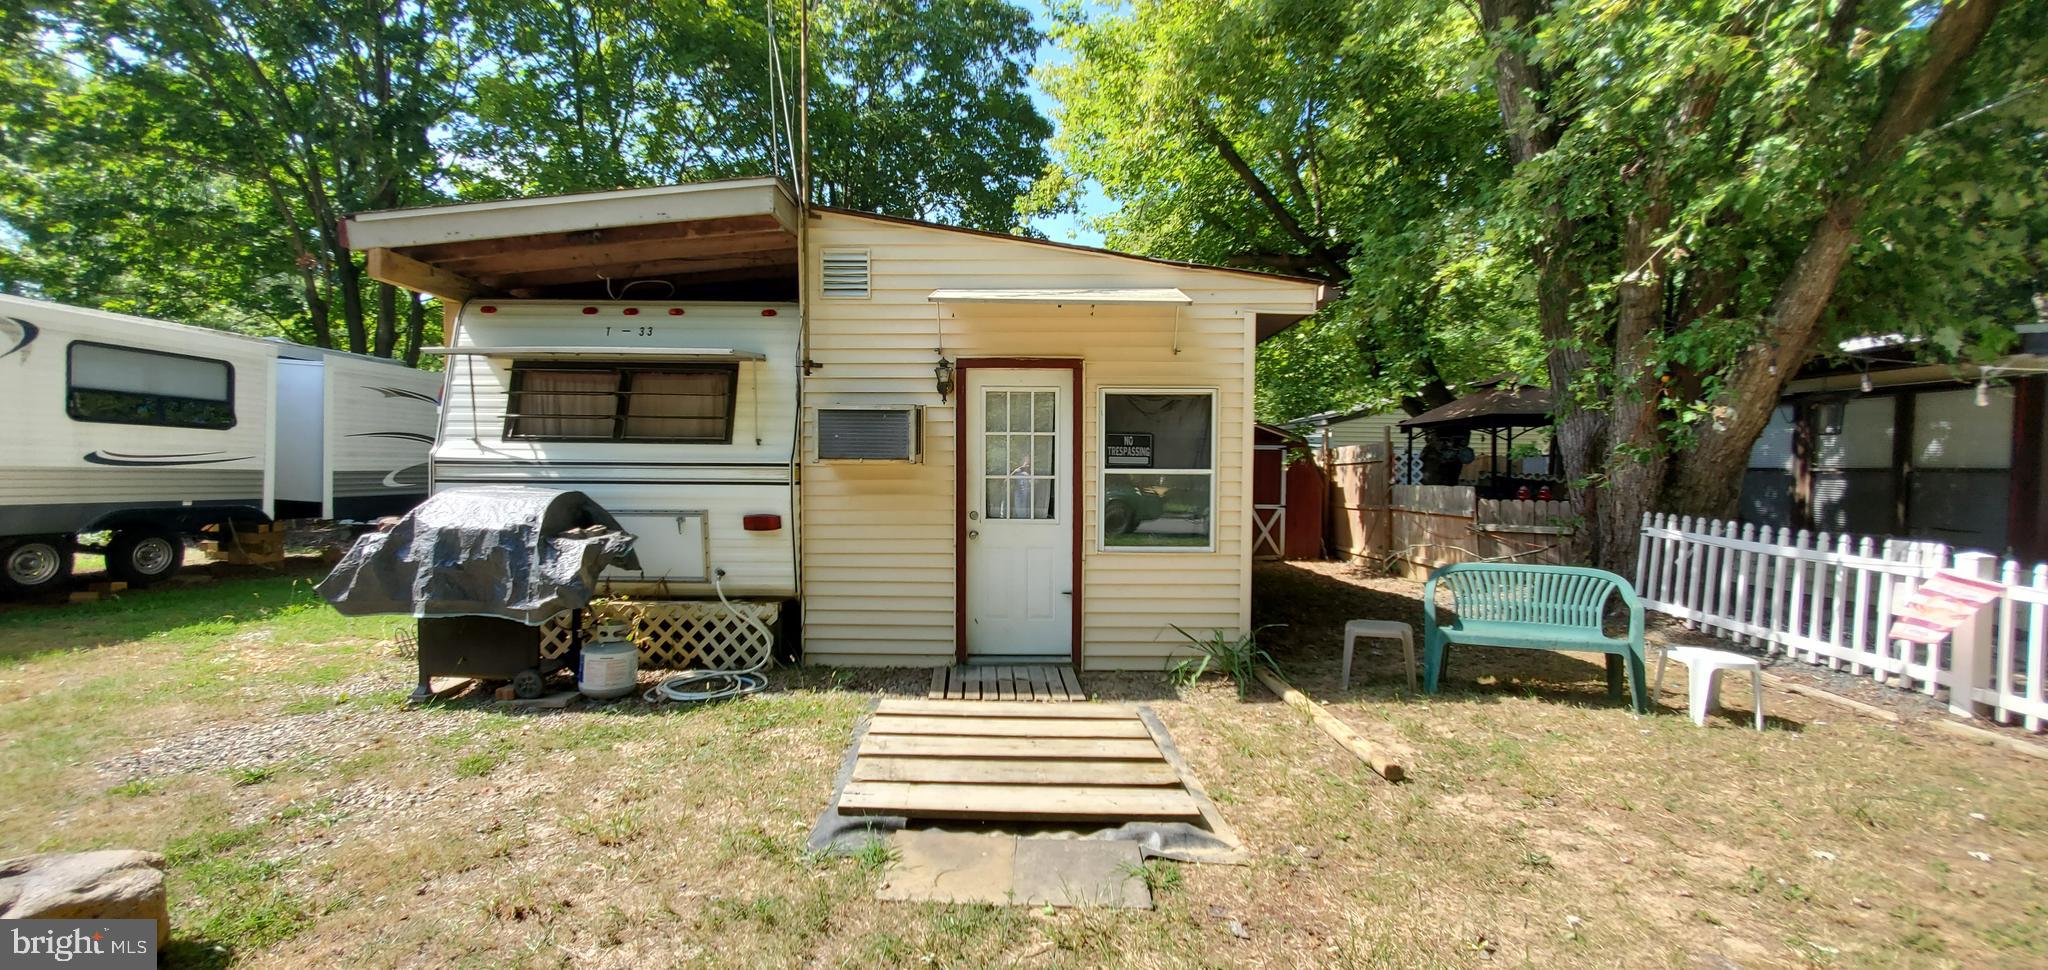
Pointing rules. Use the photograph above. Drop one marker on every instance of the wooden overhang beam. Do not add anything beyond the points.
(452, 254)
(398, 269)
(645, 269)
(600, 255)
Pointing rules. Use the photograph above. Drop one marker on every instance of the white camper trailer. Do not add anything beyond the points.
(678, 418)
(152, 431)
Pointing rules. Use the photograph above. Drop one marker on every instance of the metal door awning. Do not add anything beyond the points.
(1097, 295)
(609, 353)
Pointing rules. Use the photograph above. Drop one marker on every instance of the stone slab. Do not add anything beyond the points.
(1080, 873)
(949, 867)
(107, 884)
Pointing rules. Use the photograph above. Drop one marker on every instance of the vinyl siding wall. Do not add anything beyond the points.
(878, 539)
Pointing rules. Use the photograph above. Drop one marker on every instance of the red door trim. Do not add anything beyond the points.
(962, 422)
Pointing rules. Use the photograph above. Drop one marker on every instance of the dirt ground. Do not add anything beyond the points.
(259, 740)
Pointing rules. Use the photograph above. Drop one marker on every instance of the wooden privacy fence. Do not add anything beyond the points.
(1417, 528)
(1828, 600)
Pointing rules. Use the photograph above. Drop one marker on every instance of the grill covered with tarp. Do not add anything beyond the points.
(514, 552)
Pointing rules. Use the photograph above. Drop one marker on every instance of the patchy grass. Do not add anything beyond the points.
(260, 741)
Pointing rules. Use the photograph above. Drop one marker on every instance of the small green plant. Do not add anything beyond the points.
(479, 764)
(136, 788)
(874, 854)
(1158, 875)
(244, 777)
(1239, 658)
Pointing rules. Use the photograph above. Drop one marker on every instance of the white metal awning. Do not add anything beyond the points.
(609, 353)
(1098, 295)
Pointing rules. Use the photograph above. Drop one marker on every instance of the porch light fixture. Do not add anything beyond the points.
(944, 373)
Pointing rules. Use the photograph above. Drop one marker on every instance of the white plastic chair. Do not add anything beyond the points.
(1380, 630)
(1703, 668)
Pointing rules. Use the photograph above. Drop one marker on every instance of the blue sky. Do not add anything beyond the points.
(1067, 228)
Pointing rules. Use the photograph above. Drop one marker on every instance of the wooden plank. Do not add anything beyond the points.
(397, 269)
(1014, 802)
(1021, 772)
(919, 746)
(997, 709)
(1008, 727)
(1383, 758)
(938, 688)
(1073, 684)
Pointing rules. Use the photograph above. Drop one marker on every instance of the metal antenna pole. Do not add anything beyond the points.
(803, 107)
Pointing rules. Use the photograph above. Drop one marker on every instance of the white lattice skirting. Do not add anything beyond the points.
(678, 634)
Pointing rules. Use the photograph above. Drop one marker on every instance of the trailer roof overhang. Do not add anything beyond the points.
(607, 353)
(734, 239)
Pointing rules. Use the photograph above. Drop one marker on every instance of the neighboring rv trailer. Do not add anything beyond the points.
(154, 431)
(678, 417)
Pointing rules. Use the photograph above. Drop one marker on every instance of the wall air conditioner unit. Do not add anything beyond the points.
(888, 433)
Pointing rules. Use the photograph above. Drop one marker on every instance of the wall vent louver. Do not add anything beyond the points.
(845, 274)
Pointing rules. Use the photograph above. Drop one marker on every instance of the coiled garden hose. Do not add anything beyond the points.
(694, 686)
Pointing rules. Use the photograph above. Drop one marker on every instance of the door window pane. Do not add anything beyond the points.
(1020, 410)
(998, 454)
(1043, 416)
(998, 410)
(1041, 454)
(998, 499)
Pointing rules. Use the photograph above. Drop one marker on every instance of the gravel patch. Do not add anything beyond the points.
(320, 737)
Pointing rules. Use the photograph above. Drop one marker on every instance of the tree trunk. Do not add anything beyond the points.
(415, 329)
(351, 286)
(385, 344)
(1580, 435)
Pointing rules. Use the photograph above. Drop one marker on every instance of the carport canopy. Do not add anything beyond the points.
(733, 239)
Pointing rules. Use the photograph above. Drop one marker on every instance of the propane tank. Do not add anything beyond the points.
(611, 666)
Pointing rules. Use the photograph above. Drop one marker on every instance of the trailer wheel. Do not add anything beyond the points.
(144, 555)
(1118, 520)
(29, 566)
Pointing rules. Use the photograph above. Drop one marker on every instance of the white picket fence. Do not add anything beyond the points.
(1827, 600)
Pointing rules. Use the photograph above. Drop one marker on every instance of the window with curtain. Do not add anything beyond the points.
(119, 385)
(681, 403)
(1158, 470)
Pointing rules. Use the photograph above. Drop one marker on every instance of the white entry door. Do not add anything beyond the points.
(1020, 530)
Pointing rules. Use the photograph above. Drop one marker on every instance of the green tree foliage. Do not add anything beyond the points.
(1712, 193)
(194, 159)
(94, 222)
(1350, 141)
(1668, 207)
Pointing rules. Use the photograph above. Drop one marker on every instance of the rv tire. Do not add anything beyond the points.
(34, 564)
(143, 555)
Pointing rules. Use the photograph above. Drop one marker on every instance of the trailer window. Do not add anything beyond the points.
(121, 385)
(688, 404)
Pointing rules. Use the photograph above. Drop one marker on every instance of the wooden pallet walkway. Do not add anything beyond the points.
(1006, 682)
(1044, 762)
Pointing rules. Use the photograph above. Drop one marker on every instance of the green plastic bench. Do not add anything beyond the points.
(1533, 608)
